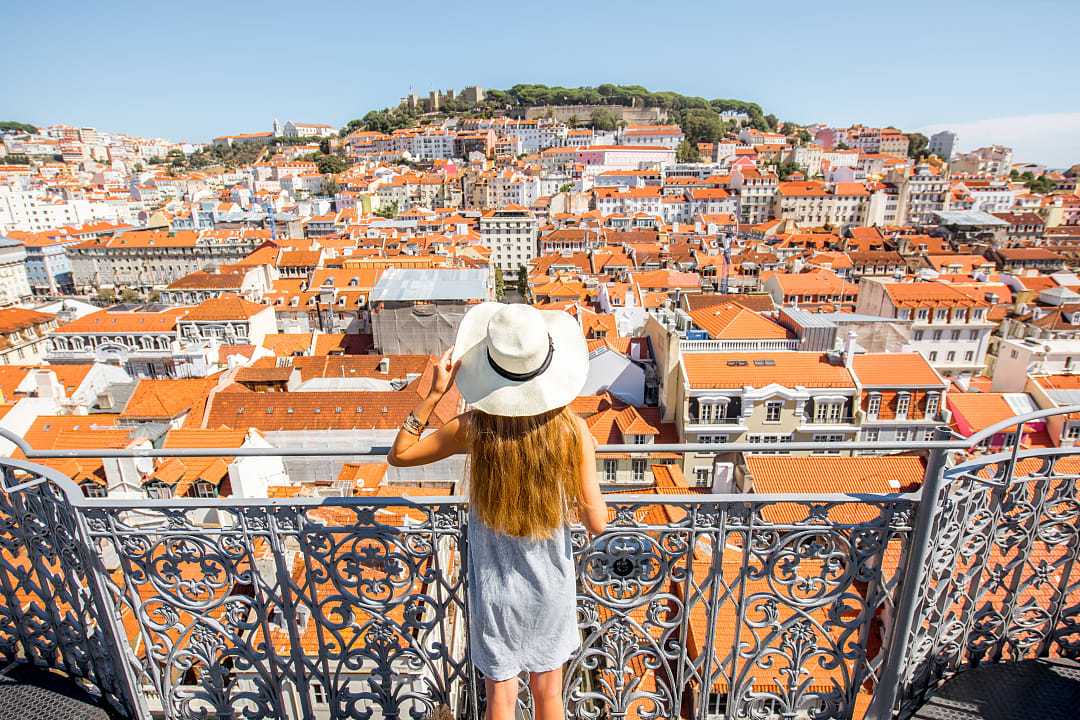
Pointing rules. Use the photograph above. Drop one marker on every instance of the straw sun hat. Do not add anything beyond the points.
(517, 360)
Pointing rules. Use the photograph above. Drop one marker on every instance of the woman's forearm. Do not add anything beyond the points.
(422, 412)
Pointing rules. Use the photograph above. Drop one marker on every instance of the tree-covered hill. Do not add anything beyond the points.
(698, 116)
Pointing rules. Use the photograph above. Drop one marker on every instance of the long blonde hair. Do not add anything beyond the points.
(525, 472)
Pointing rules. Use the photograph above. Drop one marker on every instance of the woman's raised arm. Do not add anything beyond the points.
(593, 507)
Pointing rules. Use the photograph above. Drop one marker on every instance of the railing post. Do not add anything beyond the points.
(885, 694)
(110, 624)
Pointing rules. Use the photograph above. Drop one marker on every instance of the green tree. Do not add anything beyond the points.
(324, 146)
(804, 136)
(17, 127)
(523, 282)
(129, 295)
(918, 145)
(390, 210)
(702, 125)
(566, 187)
(604, 120)
(686, 152)
(500, 284)
(15, 159)
(328, 164)
(785, 169)
(772, 121)
(330, 187)
(1041, 184)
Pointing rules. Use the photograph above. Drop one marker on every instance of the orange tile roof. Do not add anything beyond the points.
(733, 321)
(225, 307)
(895, 370)
(874, 474)
(16, 319)
(165, 399)
(982, 409)
(286, 344)
(926, 294)
(106, 321)
(790, 369)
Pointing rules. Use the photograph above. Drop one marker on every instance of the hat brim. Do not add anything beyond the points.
(485, 390)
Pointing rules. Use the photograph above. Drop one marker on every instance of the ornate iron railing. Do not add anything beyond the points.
(696, 606)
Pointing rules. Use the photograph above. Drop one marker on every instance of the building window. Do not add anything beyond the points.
(918, 335)
(969, 356)
(204, 489)
(637, 468)
(933, 355)
(951, 356)
(873, 405)
(712, 439)
(931, 405)
(93, 490)
(902, 435)
(829, 439)
(828, 412)
(922, 314)
(772, 411)
(870, 435)
(318, 693)
(903, 400)
(611, 469)
(955, 335)
(702, 475)
(937, 334)
(941, 314)
(158, 491)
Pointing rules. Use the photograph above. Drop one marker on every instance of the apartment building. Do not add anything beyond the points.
(511, 233)
(149, 259)
(757, 191)
(949, 324)
(145, 342)
(1018, 357)
(14, 281)
(761, 398)
(227, 320)
(922, 193)
(901, 397)
(23, 336)
(817, 204)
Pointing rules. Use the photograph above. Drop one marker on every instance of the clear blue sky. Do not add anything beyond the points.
(192, 70)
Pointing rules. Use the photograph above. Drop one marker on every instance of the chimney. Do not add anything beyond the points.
(384, 366)
(849, 349)
(47, 385)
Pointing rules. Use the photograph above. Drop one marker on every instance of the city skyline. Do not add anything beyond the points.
(225, 70)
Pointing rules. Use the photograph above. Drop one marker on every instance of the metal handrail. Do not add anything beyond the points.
(958, 443)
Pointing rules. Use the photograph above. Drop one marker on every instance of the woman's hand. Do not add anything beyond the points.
(445, 370)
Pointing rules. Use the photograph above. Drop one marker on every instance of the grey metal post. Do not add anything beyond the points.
(885, 694)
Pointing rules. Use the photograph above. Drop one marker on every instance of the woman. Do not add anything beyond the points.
(532, 470)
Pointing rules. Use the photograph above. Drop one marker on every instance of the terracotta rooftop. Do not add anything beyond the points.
(733, 321)
(740, 369)
(225, 307)
(894, 370)
(874, 474)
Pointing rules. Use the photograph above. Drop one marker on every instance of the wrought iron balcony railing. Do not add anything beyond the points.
(695, 606)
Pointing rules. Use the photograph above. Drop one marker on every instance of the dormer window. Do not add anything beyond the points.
(873, 404)
(903, 401)
(932, 401)
(157, 490)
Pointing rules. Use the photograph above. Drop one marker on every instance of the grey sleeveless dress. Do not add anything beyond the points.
(522, 601)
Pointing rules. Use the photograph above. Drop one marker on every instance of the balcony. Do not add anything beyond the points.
(692, 606)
